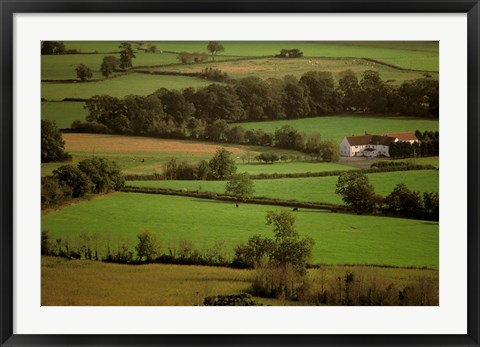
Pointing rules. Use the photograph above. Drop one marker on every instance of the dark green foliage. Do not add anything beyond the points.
(320, 90)
(406, 203)
(214, 74)
(215, 47)
(290, 53)
(222, 165)
(83, 72)
(349, 90)
(46, 247)
(240, 185)
(105, 175)
(148, 246)
(52, 47)
(126, 55)
(268, 157)
(289, 138)
(89, 127)
(356, 191)
(188, 58)
(74, 179)
(52, 143)
(230, 300)
(109, 64)
(53, 193)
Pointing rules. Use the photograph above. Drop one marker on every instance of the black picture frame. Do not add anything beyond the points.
(10, 7)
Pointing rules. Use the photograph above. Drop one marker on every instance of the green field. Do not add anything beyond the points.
(409, 55)
(314, 189)
(63, 113)
(134, 83)
(339, 238)
(338, 126)
(62, 67)
(290, 167)
(277, 68)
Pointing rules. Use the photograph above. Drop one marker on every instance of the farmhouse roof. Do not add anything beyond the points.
(369, 140)
(406, 136)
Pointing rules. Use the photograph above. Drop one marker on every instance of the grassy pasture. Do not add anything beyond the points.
(62, 67)
(317, 189)
(338, 126)
(133, 83)
(277, 68)
(421, 55)
(290, 167)
(169, 285)
(128, 151)
(409, 55)
(63, 113)
(339, 238)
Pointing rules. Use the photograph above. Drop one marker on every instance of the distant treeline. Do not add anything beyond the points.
(189, 112)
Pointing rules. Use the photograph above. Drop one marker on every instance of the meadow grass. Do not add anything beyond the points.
(290, 167)
(339, 238)
(315, 189)
(63, 113)
(408, 55)
(147, 155)
(180, 285)
(62, 67)
(336, 127)
(133, 83)
(434, 161)
(278, 68)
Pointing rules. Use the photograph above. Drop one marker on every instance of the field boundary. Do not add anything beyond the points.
(159, 177)
(234, 199)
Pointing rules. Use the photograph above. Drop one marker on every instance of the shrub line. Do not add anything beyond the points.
(157, 177)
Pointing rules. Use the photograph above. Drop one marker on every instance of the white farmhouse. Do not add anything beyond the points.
(372, 145)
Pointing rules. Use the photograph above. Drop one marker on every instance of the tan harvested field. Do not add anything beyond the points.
(134, 144)
(104, 284)
(275, 67)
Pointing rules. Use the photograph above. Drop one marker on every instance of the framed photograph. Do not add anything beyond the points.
(239, 173)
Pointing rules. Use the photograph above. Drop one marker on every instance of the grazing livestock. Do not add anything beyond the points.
(295, 209)
(236, 205)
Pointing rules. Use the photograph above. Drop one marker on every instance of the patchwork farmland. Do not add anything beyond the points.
(161, 118)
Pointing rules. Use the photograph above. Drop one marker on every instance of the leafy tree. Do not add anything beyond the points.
(288, 137)
(105, 175)
(126, 55)
(109, 64)
(109, 111)
(203, 171)
(52, 47)
(404, 202)
(295, 102)
(349, 89)
(319, 87)
(83, 72)
(313, 144)
(75, 179)
(356, 191)
(53, 146)
(216, 131)
(240, 185)
(222, 165)
(215, 47)
(374, 92)
(230, 300)
(53, 193)
(288, 247)
(148, 246)
(268, 157)
(329, 150)
(236, 134)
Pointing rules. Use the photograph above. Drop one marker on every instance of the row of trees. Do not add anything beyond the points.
(90, 176)
(252, 99)
(357, 192)
(220, 167)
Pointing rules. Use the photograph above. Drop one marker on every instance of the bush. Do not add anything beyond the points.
(89, 127)
(230, 300)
